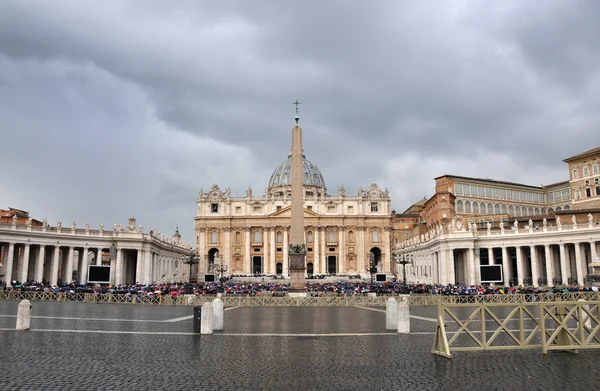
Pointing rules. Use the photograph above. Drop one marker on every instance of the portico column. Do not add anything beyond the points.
(247, 253)
(266, 250)
(201, 252)
(549, 265)
(341, 252)
(285, 263)
(24, 263)
(564, 265)
(470, 267)
(83, 273)
(361, 250)
(39, 265)
(147, 277)
(227, 250)
(316, 249)
(579, 265)
(535, 275)
(54, 268)
(443, 267)
(506, 266)
(9, 264)
(491, 259)
(520, 265)
(450, 267)
(272, 256)
(68, 273)
(98, 256)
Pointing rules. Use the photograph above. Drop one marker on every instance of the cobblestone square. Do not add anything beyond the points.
(114, 347)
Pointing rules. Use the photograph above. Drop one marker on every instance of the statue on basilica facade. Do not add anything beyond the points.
(45, 222)
(574, 220)
(341, 192)
(249, 192)
(14, 219)
(590, 218)
(59, 225)
(545, 222)
(558, 224)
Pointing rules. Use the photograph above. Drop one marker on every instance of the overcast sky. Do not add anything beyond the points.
(116, 108)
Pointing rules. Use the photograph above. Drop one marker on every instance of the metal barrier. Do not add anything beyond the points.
(549, 325)
(267, 300)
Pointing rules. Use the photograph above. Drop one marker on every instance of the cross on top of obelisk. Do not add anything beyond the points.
(297, 102)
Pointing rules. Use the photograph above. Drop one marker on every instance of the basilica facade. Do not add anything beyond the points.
(249, 235)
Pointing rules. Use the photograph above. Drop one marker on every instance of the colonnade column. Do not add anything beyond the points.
(54, 267)
(579, 265)
(147, 279)
(520, 265)
(39, 264)
(84, 266)
(9, 264)
(341, 249)
(266, 249)
(565, 271)
(247, 253)
(68, 273)
(443, 264)
(227, 250)
(139, 267)
(506, 266)
(549, 264)
(285, 263)
(470, 267)
(535, 275)
(98, 256)
(119, 267)
(24, 263)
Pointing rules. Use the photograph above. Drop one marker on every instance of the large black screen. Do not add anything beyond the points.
(381, 277)
(209, 278)
(491, 273)
(99, 274)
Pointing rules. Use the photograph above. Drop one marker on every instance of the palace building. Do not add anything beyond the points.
(249, 235)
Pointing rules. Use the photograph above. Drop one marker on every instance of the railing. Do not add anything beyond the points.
(559, 325)
(266, 300)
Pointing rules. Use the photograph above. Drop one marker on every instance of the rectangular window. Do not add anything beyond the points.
(309, 207)
(597, 190)
(495, 192)
(575, 174)
(257, 209)
(588, 192)
(309, 249)
(522, 196)
(549, 198)
(529, 196)
(586, 171)
(214, 208)
(488, 192)
(458, 188)
(351, 209)
(595, 169)
(373, 206)
(278, 249)
(331, 208)
(503, 194)
(278, 207)
(566, 195)
(238, 209)
(481, 191)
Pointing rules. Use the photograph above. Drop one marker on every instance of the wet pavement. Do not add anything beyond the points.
(121, 346)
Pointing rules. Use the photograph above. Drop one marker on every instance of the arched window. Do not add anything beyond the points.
(483, 210)
(550, 211)
(213, 237)
(332, 236)
(517, 211)
(567, 207)
(558, 208)
(467, 207)
(530, 211)
(309, 237)
(351, 236)
(257, 237)
(497, 209)
(279, 237)
(543, 211)
(504, 210)
(490, 209)
(475, 207)
(459, 206)
(511, 210)
(375, 236)
(536, 211)
(238, 237)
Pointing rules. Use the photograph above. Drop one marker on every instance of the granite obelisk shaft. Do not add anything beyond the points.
(297, 251)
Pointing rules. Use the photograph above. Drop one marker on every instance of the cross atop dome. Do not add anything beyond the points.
(297, 102)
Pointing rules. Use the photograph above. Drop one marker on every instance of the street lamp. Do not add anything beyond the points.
(371, 268)
(191, 260)
(403, 260)
(219, 267)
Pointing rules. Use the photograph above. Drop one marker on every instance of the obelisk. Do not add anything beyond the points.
(297, 249)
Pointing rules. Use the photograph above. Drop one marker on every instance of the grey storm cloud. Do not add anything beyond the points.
(117, 108)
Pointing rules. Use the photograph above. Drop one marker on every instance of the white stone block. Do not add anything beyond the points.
(24, 315)
(297, 294)
(403, 318)
(391, 311)
(206, 319)
(218, 316)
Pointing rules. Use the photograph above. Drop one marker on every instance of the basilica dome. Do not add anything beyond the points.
(311, 176)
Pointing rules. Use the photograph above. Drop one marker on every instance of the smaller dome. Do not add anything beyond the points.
(311, 176)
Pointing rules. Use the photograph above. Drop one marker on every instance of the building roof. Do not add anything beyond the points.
(583, 155)
(557, 184)
(490, 181)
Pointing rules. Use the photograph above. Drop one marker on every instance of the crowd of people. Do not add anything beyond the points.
(274, 288)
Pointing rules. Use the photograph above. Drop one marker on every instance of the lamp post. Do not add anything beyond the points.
(220, 267)
(403, 260)
(372, 268)
(191, 260)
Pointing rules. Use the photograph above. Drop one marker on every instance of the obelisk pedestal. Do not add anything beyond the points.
(297, 249)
